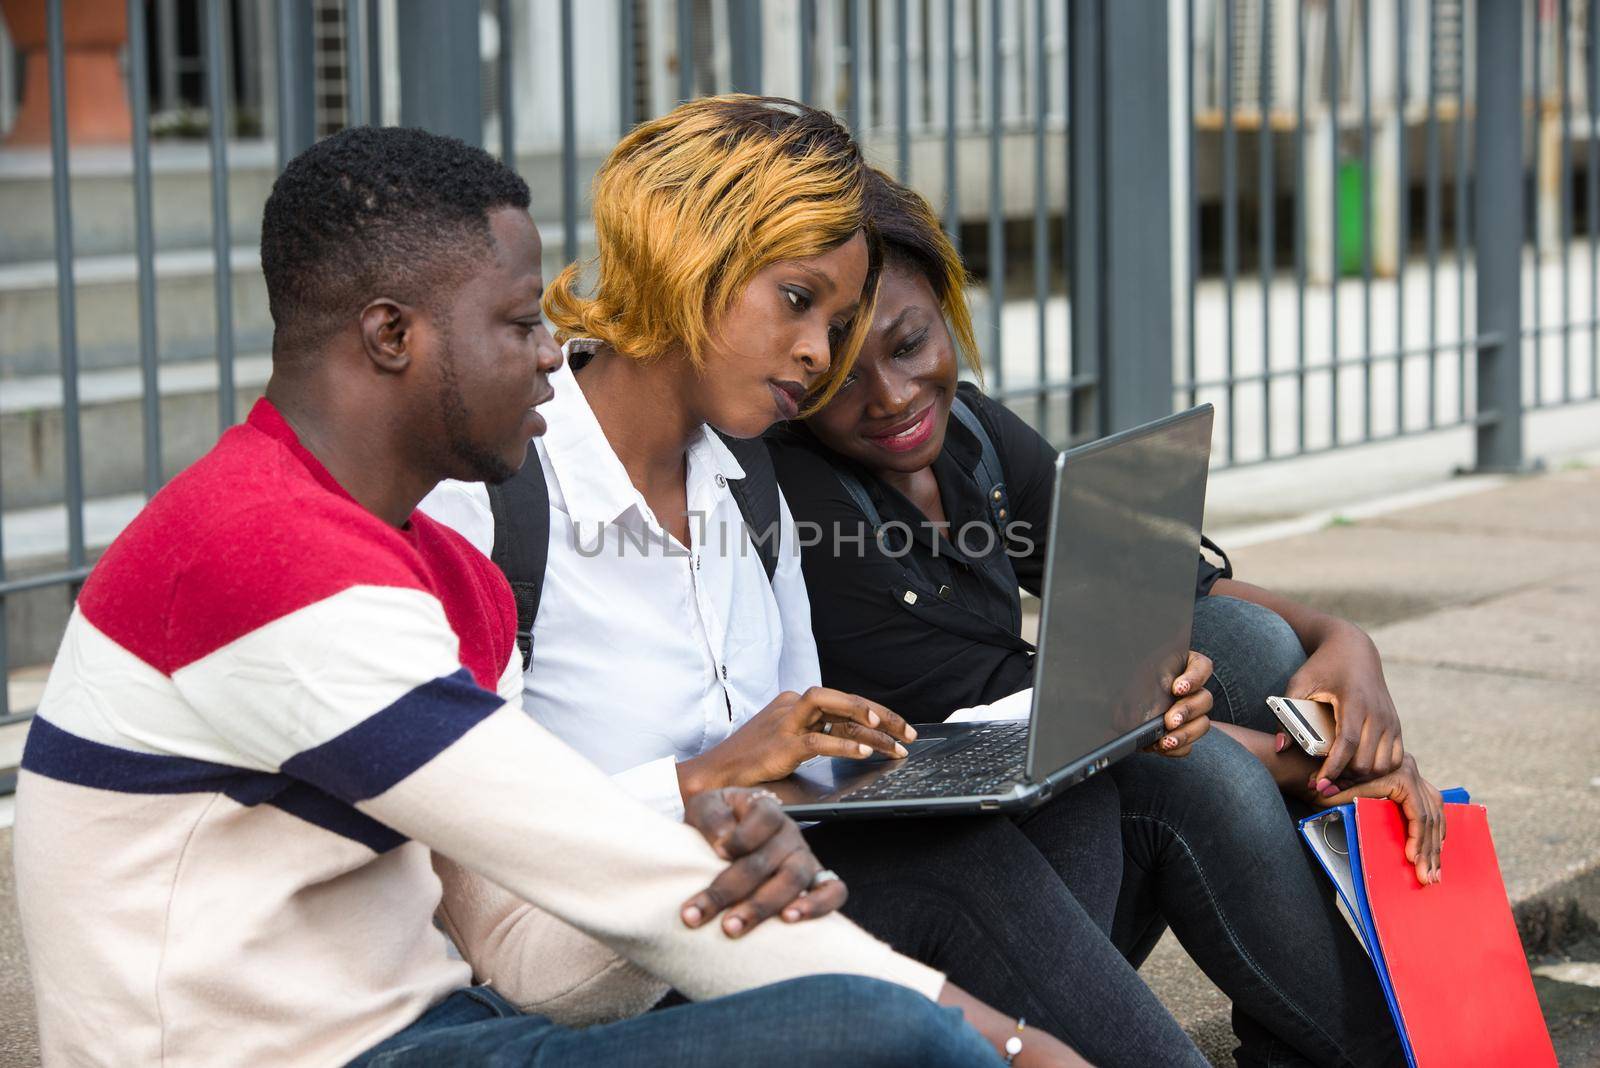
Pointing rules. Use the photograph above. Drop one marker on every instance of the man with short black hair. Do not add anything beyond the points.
(285, 697)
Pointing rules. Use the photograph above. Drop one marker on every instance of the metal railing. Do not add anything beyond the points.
(1102, 187)
(1288, 376)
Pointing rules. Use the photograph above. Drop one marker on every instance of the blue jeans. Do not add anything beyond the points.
(822, 1021)
(1211, 848)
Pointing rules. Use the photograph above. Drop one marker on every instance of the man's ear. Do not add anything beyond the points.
(388, 333)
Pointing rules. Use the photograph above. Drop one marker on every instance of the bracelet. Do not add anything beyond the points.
(1014, 1043)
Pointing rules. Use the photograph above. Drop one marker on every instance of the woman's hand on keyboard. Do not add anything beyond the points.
(790, 731)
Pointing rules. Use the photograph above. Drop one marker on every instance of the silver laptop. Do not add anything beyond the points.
(1114, 629)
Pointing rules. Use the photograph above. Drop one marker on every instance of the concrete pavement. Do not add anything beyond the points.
(1486, 607)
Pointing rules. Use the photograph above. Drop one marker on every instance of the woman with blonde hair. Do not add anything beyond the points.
(736, 276)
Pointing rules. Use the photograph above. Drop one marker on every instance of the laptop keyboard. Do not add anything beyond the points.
(992, 762)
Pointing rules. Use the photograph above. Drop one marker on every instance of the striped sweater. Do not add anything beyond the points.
(268, 711)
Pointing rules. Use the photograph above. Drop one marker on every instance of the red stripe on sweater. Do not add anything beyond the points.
(257, 529)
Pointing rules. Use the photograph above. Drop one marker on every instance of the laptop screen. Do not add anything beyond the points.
(1119, 586)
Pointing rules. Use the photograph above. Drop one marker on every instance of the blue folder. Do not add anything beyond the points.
(1330, 834)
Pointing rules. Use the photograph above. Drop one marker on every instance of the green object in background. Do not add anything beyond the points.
(1351, 238)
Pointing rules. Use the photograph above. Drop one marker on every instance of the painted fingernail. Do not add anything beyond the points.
(1182, 687)
(1169, 742)
(791, 915)
(911, 733)
(899, 750)
(1326, 788)
(1281, 741)
(864, 749)
(692, 916)
(733, 925)
(1177, 719)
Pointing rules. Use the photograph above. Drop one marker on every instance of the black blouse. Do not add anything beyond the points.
(939, 628)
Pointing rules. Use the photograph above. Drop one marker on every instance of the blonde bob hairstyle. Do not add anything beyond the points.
(913, 240)
(690, 206)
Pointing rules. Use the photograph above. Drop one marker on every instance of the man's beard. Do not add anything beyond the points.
(480, 464)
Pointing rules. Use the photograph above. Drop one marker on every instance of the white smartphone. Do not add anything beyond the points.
(1310, 723)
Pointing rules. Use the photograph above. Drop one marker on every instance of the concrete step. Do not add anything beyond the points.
(108, 310)
(102, 196)
(111, 412)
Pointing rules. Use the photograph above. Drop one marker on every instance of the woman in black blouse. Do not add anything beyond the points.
(1210, 846)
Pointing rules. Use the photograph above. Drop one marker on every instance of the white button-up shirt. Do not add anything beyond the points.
(645, 651)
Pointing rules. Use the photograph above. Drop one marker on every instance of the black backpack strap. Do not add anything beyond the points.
(756, 494)
(521, 509)
(1227, 565)
(990, 474)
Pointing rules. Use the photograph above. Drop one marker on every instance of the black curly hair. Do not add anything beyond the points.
(375, 211)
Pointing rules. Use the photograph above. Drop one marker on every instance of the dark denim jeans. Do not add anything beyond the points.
(1212, 850)
(1018, 913)
(819, 1022)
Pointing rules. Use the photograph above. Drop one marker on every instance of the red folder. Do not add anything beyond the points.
(1455, 965)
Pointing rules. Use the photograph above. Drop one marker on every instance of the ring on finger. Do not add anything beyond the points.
(823, 876)
(827, 727)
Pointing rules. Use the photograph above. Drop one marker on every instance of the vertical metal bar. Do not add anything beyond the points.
(1566, 201)
(685, 50)
(1592, 174)
(853, 116)
(144, 241)
(1497, 205)
(216, 30)
(506, 83)
(744, 34)
(1192, 204)
(355, 64)
(374, 63)
(808, 50)
(627, 75)
(1267, 205)
(952, 190)
(997, 222)
(1537, 400)
(441, 55)
(1041, 219)
(1365, 14)
(1463, 226)
(66, 287)
(1085, 249)
(167, 38)
(569, 139)
(296, 107)
(1301, 208)
(1433, 195)
(1136, 223)
(1230, 219)
(902, 94)
(1403, 220)
(1333, 197)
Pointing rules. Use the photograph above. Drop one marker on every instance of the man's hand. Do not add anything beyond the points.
(790, 731)
(1423, 808)
(1346, 672)
(772, 867)
(1190, 715)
